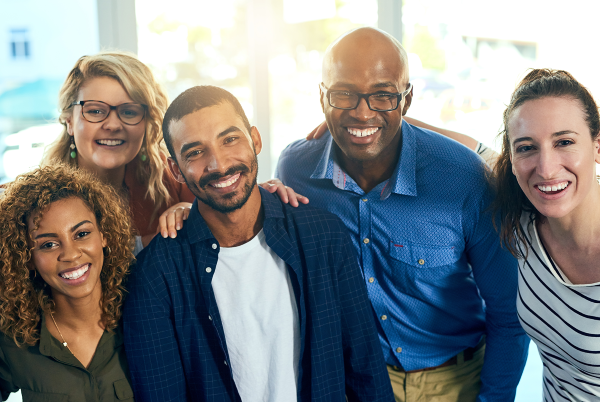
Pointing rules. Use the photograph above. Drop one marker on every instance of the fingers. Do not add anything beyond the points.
(172, 219)
(270, 187)
(317, 132)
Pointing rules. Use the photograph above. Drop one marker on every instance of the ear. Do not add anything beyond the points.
(175, 171)
(321, 97)
(104, 242)
(407, 101)
(596, 144)
(256, 139)
(69, 121)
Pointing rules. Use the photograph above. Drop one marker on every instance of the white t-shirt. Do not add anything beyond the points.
(257, 305)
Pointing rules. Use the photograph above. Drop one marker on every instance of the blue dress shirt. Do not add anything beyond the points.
(174, 338)
(435, 272)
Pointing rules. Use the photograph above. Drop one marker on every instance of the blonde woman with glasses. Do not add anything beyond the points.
(112, 110)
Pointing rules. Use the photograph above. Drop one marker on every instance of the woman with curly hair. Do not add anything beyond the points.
(65, 249)
(111, 111)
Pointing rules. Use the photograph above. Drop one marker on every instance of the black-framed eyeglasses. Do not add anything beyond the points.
(97, 111)
(378, 101)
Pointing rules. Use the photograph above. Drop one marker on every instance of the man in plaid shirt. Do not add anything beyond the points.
(254, 300)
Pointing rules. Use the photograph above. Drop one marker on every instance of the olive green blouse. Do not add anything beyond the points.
(48, 372)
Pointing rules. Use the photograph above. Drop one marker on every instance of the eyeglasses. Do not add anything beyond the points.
(96, 111)
(378, 101)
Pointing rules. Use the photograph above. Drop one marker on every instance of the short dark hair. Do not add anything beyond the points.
(511, 201)
(194, 99)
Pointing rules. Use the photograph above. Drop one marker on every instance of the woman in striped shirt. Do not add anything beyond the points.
(549, 200)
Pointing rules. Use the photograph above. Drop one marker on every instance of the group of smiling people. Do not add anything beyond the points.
(418, 284)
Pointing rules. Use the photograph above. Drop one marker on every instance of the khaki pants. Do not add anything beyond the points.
(456, 383)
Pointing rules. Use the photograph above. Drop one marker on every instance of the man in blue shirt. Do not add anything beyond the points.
(254, 300)
(442, 289)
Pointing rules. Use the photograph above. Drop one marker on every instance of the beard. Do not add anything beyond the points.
(228, 202)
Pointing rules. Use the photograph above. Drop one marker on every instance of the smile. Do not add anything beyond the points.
(365, 132)
(110, 143)
(75, 274)
(555, 189)
(226, 183)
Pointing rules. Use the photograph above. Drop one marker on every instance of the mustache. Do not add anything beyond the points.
(241, 168)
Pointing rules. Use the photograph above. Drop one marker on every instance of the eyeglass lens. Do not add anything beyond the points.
(129, 113)
(347, 100)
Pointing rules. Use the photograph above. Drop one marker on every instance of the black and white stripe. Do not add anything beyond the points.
(563, 320)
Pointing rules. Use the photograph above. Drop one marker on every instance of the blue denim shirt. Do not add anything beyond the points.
(435, 272)
(174, 338)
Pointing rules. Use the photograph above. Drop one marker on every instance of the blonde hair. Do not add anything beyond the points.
(24, 296)
(139, 83)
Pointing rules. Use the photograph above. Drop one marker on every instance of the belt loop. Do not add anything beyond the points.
(460, 358)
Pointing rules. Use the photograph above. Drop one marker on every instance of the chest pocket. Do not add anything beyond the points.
(423, 256)
(30, 396)
(123, 390)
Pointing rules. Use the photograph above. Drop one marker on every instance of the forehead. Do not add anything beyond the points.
(365, 63)
(62, 214)
(104, 89)
(204, 125)
(543, 117)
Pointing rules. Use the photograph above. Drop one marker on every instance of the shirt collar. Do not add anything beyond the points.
(403, 180)
(198, 229)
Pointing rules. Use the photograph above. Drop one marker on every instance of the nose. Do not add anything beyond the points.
(112, 121)
(548, 164)
(70, 251)
(362, 111)
(216, 162)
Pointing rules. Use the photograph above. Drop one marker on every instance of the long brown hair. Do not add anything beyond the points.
(24, 295)
(511, 202)
(139, 83)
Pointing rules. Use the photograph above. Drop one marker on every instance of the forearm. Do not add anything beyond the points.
(467, 141)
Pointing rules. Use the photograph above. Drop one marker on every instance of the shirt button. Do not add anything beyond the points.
(365, 200)
(225, 362)
(209, 270)
(371, 280)
(421, 261)
(398, 350)
(210, 318)
(384, 317)
(366, 240)
(214, 246)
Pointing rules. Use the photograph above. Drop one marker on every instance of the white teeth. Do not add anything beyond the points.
(362, 133)
(556, 187)
(228, 182)
(111, 143)
(77, 273)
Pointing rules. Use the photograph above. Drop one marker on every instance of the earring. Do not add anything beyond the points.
(73, 148)
(106, 251)
(143, 156)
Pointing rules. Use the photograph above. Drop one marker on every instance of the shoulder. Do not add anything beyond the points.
(303, 152)
(447, 153)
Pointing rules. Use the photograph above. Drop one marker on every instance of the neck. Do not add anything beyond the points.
(78, 314)
(237, 227)
(114, 177)
(580, 229)
(369, 173)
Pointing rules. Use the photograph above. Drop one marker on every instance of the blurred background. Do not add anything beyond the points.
(466, 56)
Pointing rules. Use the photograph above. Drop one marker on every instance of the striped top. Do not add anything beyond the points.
(563, 320)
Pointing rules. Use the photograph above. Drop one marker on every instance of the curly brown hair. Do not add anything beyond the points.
(511, 202)
(23, 294)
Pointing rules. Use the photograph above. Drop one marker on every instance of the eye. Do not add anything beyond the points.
(82, 234)
(564, 143)
(383, 96)
(524, 148)
(230, 139)
(193, 153)
(48, 245)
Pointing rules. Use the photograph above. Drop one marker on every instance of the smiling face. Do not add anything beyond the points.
(553, 154)
(365, 61)
(110, 144)
(216, 156)
(67, 249)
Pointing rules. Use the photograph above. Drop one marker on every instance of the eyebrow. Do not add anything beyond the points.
(223, 133)
(352, 86)
(74, 228)
(556, 134)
